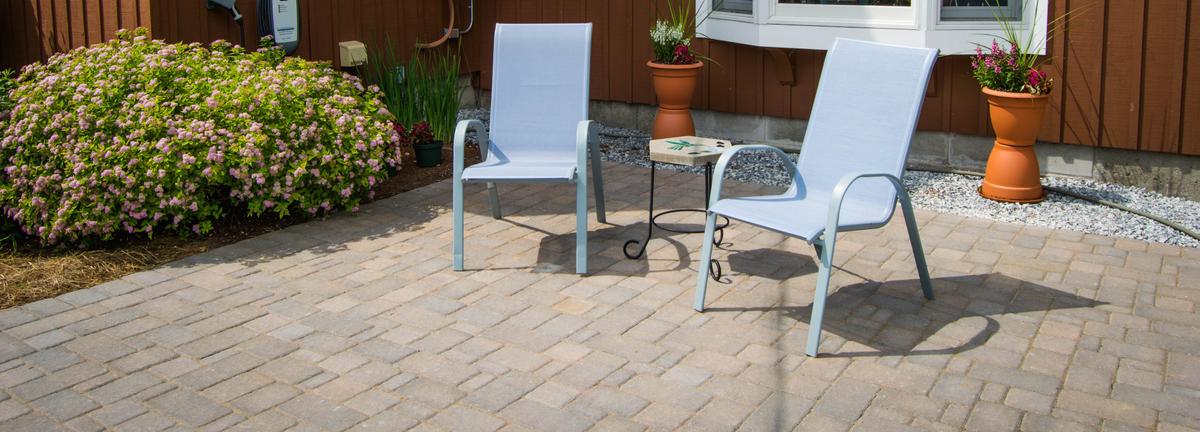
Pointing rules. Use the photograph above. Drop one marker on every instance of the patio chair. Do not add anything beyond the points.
(540, 132)
(849, 170)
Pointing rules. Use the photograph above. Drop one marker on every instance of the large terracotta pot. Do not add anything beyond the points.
(674, 85)
(1012, 168)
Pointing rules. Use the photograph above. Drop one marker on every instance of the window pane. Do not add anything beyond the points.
(851, 2)
(975, 10)
(735, 6)
(976, 3)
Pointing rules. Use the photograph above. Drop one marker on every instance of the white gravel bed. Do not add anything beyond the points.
(957, 194)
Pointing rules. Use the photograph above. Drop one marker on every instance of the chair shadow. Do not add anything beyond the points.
(911, 320)
(770, 263)
(556, 254)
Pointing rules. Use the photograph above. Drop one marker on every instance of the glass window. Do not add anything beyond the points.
(977, 10)
(735, 6)
(851, 2)
(953, 26)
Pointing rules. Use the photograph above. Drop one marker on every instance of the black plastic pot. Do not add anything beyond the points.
(428, 154)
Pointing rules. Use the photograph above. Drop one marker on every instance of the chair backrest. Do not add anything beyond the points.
(539, 90)
(863, 120)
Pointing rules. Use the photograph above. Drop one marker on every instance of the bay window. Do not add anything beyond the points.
(953, 26)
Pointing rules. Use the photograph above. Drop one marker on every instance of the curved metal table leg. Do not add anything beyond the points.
(650, 226)
(652, 222)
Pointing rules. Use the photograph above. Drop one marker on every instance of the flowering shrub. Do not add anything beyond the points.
(6, 85)
(135, 135)
(1009, 70)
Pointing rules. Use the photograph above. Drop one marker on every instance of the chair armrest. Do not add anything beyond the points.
(460, 142)
(723, 164)
(587, 136)
(843, 185)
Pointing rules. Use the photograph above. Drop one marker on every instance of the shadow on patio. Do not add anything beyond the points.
(892, 319)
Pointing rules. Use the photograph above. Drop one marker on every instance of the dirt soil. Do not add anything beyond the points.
(30, 272)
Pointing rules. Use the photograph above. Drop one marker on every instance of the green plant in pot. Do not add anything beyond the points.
(675, 67)
(440, 95)
(428, 150)
(421, 93)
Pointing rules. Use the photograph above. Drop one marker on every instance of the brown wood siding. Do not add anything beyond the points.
(33, 30)
(1126, 73)
(1126, 70)
(1190, 134)
(1122, 74)
(1163, 67)
(324, 23)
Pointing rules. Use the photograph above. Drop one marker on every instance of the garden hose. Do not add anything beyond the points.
(449, 31)
(1104, 202)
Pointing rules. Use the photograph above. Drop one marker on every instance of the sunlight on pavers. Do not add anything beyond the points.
(358, 322)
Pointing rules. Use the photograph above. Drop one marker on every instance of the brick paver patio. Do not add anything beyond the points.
(357, 322)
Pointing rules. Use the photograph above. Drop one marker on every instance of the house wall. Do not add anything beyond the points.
(323, 24)
(1126, 69)
(33, 30)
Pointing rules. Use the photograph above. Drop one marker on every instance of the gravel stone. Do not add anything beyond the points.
(957, 194)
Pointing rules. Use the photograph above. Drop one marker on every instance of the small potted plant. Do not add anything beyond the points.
(428, 151)
(674, 70)
(423, 96)
(1017, 90)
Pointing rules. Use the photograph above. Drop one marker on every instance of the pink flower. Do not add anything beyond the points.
(683, 55)
(1035, 77)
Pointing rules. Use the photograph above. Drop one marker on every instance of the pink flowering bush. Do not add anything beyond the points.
(136, 135)
(6, 85)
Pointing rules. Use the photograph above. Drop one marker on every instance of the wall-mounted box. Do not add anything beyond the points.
(353, 53)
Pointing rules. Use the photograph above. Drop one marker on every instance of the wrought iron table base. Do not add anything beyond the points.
(715, 267)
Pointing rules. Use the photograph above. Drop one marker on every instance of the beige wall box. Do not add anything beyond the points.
(353, 53)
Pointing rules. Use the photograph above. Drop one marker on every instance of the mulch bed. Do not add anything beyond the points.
(30, 272)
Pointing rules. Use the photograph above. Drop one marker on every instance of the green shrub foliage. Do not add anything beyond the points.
(6, 85)
(136, 135)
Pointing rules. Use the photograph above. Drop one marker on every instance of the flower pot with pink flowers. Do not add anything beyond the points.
(1017, 90)
(674, 69)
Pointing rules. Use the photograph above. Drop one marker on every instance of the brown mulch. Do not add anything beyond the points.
(30, 272)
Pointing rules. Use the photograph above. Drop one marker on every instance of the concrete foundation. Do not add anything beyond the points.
(1172, 175)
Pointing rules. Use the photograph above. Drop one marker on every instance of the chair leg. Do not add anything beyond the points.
(914, 237)
(494, 199)
(705, 258)
(598, 177)
(458, 224)
(822, 291)
(581, 229)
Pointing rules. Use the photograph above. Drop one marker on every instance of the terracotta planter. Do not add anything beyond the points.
(1012, 168)
(674, 85)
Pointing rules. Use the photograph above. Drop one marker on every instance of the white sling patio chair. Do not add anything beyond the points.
(540, 132)
(848, 176)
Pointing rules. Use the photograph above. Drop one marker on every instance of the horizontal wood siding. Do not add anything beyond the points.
(1127, 70)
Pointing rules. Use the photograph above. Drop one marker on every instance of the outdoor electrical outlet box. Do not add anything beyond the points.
(353, 53)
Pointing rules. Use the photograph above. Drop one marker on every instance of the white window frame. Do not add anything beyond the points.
(777, 25)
